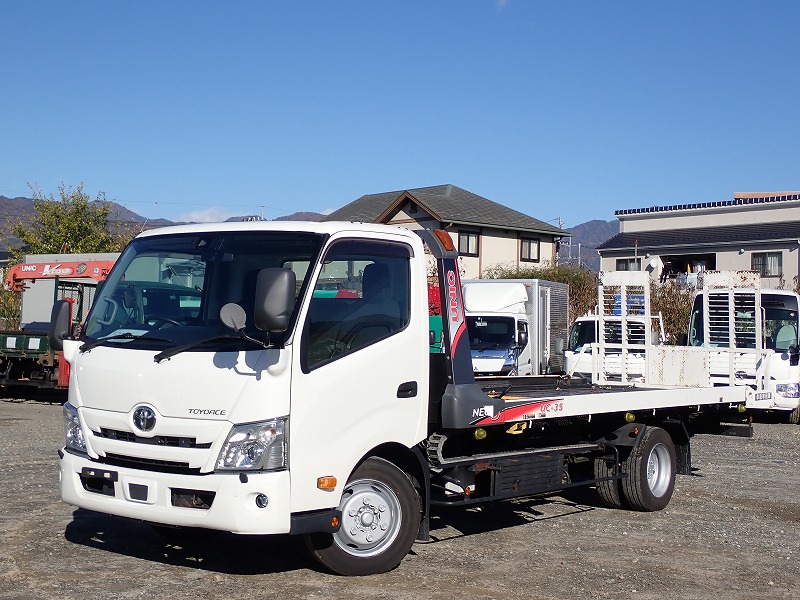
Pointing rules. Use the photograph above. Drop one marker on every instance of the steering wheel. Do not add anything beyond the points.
(157, 322)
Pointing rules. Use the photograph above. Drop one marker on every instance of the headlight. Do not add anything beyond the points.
(255, 446)
(73, 432)
(788, 390)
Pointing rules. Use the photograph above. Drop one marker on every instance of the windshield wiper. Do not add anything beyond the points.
(170, 352)
(87, 346)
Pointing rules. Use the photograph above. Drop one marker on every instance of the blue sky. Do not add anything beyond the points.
(562, 109)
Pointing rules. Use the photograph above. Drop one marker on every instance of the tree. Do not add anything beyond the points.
(72, 224)
(674, 301)
(9, 309)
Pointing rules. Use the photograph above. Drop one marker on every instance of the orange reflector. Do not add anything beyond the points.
(445, 238)
(335, 522)
(326, 483)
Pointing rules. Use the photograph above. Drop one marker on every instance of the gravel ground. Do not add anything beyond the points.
(731, 531)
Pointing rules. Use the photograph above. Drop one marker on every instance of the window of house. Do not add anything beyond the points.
(629, 264)
(468, 243)
(769, 264)
(529, 250)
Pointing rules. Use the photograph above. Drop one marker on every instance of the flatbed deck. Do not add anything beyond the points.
(543, 397)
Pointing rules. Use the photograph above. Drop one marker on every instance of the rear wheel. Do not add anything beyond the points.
(380, 519)
(650, 471)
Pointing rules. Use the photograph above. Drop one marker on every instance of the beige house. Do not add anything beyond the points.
(754, 231)
(487, 234)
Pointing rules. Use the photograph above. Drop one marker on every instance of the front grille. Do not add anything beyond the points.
(159, 440)
(149, 464)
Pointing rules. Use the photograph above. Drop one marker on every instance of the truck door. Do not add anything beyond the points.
(362, 378)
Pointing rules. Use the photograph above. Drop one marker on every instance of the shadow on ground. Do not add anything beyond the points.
(25, 392)
(249, 555)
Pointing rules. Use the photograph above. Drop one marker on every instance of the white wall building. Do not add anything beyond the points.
(754, 231)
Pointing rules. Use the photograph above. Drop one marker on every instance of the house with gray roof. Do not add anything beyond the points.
(487, 234)
(755, 231)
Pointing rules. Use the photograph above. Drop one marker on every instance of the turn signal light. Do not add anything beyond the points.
(630, 417)
(327, 484)
(480, 434)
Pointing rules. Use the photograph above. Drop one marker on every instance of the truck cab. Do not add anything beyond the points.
(498, 328)
(516, 326)
(584, 333)
(773, 326)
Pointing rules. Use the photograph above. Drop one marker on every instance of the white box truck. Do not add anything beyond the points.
(219, 383)
(517, 326)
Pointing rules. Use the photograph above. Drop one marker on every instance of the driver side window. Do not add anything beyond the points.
(360, 298)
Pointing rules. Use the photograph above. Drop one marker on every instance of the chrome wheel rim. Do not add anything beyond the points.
(658, 470)
(371, 518)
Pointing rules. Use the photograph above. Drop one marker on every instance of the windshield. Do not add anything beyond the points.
(169, 289)
(779, 328)
(491, 332)
(780, 321)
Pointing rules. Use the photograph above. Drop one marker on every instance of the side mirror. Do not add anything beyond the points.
(794, 356)
(275, 288)
(559, 346)
(522, 339)
(60, 324)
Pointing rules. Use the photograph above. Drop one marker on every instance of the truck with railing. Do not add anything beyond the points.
(237, 398)
(756, 333)
(592, 328)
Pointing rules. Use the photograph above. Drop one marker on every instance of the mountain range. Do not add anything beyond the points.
(585, 237)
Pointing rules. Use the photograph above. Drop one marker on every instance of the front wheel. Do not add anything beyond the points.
(380, 519)
(650, 471)
(794, 416)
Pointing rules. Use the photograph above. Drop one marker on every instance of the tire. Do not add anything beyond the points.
(794, 416)
(381, 515)
(650, 472)
(610, 492)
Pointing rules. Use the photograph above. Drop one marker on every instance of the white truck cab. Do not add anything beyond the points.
(516, 326)
(585, 332)
(773, 326)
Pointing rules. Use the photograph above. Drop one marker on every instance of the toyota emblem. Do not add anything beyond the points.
(144, 418)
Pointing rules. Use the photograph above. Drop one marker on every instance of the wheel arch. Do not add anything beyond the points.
(413, 462)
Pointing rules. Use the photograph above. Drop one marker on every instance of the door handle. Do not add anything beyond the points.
(407, 389)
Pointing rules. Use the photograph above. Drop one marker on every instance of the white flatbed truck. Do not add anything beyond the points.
(288, 388)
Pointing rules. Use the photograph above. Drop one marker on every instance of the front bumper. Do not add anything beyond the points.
(225, 502)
